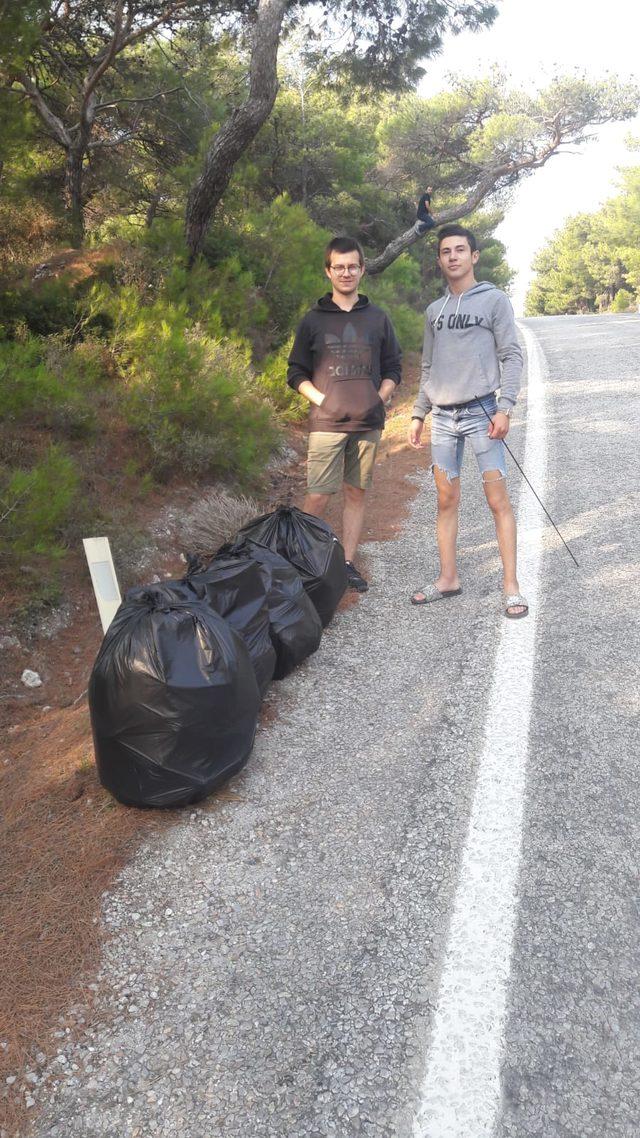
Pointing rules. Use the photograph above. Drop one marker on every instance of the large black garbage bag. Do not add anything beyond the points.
(236, 590)
(295, 627)
(311, 546)
(173, 697)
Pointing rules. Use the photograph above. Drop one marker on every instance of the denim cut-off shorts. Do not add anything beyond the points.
(451, 426)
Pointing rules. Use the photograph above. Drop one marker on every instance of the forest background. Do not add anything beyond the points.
(592, 264)
(170, 172)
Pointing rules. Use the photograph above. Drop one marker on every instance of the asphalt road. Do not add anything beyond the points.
(420, 917)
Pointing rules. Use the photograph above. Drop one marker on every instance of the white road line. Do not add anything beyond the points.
(461, 1090)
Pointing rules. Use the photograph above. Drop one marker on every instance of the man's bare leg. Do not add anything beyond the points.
(352, 515)
(352, 518)
(448, 491)
(495, 489)
(316, 504)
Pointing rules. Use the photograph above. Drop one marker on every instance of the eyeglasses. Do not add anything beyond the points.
(341, 270)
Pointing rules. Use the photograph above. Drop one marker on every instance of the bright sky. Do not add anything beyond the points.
(531, 40)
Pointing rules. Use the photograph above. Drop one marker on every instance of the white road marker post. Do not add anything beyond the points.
(460, 1094)
(103, 577)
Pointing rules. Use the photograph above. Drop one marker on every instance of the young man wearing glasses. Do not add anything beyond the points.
(345, 361)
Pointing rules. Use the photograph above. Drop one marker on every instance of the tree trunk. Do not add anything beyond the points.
(241, 127)
(152, 209)
(73, 195)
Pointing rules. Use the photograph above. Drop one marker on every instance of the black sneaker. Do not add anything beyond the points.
(355, 580)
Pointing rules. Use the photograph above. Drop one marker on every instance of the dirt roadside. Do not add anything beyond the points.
(63, 839)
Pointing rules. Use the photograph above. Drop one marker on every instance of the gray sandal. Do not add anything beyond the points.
(513, 600)
(433, 594)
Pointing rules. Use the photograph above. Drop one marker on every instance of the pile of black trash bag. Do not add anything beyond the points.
(176, 688)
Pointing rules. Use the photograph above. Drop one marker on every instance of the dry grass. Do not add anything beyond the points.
(216, 520)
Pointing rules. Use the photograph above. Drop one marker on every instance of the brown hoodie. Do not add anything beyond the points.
(346, 355)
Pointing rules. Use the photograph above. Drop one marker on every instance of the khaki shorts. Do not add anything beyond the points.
(341, 456)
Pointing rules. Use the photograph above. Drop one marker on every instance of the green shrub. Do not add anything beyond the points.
(37, 506)
(45, 593)
(408, 325)
(223, 300)
(42, 308)
(622, 300)
(27, 385)
(164, 239)
(50, 379)
(398, 291)
(72, 421)
(83, 365)
(271, 379)
(190, 395)
(281, 249)
(141, 479)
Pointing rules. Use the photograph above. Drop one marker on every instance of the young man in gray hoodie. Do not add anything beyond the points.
(470, 349)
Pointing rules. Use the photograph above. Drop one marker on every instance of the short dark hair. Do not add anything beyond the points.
(343, 245)
(454, 230)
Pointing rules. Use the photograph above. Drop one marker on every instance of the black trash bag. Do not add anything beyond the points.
(236, 590)
(173, 697)
(296, 629)
(310, 545)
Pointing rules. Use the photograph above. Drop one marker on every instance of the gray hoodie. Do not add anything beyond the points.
(470, 348)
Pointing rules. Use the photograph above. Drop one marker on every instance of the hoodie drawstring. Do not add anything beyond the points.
(446, 301)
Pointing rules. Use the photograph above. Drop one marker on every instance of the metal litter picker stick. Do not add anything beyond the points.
(477, 397)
